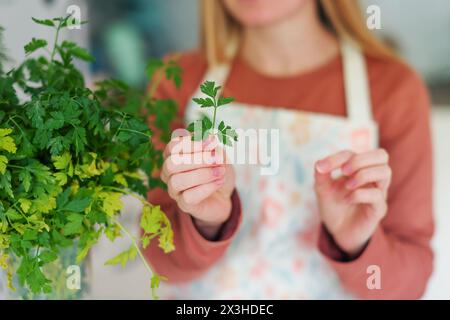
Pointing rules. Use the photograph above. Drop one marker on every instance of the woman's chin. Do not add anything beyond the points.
(260, 13)
(254, 22)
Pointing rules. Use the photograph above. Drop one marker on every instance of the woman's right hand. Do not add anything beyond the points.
(200, 181)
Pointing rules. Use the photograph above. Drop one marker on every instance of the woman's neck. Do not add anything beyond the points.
(295, 45)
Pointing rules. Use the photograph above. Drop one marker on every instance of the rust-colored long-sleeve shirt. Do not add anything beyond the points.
(400, 245)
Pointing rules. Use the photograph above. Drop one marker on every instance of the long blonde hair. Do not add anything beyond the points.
(218, 29)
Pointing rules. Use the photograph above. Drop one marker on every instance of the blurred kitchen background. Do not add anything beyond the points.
(139, 29)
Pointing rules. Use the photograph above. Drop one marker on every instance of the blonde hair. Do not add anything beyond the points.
(218, 30)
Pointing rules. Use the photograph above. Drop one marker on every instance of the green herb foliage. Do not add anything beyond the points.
(201, 129)
(67, 156)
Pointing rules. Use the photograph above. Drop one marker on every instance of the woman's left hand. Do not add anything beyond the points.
(352, 205)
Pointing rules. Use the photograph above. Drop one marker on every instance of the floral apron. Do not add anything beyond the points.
(274, 254)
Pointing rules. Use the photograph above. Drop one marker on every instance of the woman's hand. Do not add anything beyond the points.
(200, 181)
(352, 205)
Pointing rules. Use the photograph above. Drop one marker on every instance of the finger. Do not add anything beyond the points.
(173, 194)
(186, 180)
(185, 144)
(334, 161)
(194, 196)
(177, 163)
(322, 181)
(367, 159)
(369, 196)
(221, 156)
(173, 142)
(368, 175)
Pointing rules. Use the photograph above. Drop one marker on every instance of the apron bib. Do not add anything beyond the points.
(275, 255)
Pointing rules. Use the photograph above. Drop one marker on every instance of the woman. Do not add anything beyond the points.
(341, 101)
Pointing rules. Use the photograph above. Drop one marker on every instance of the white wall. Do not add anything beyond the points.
(15, 17)
(422, 30)
(439, 286)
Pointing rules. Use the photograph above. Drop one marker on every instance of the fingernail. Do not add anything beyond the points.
(210, 142)
(213, 158)
(350, 184)
(218, 158)
(218, 171)
(206, 142)
(322, 166)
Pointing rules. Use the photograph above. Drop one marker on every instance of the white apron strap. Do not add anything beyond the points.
(357, 93)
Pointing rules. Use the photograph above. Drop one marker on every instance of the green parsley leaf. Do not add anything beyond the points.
(45, 22)
(201, 129)
(74, 225)
(77, 205)
(123, 257)
(34, 45)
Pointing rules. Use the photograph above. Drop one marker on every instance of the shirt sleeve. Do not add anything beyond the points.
(193, 254)
(399, 251)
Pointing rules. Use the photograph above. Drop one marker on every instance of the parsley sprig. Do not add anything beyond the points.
(204, 127)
